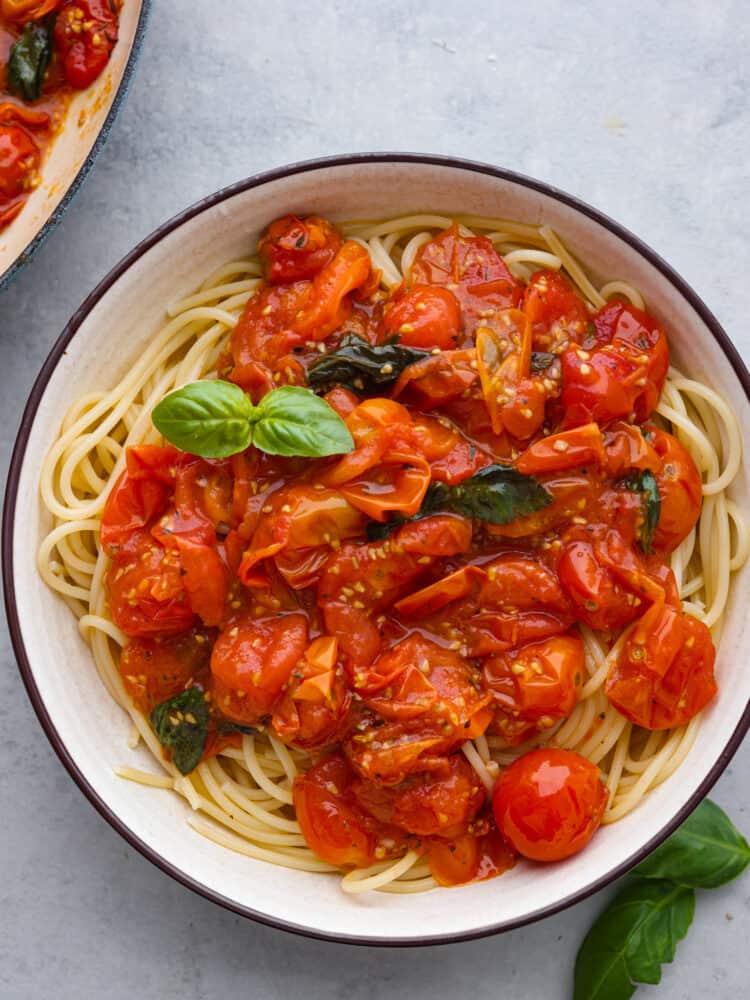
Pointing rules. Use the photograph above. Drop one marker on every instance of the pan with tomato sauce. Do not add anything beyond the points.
(414, 632)
(49, 49)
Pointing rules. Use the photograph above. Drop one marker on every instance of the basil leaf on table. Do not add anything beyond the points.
(181, 725)
(637, 933)
(645, 483)
(214, 419)
(28, 61)
(294, 421)
(497, 494)
(707, 851)
(362, 366)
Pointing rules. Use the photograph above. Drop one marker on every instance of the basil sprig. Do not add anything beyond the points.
(28, 60)
(645, 483)
(361, 366)
(215, 419)
(641, 928)
(497, 494)
(181, 725)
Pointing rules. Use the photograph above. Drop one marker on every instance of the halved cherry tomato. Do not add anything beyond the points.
(557, 313)
(335, 827)
(293, 249)
(616, 372)
(549, 803)
(515, 401)
(590, 571)
(314, 707)
(582, 446)
(665, 673)
(472, 269)
(146, 590)
(680, 491)
(535, 686)
(252, 661)
(154, 670)
(425, 316)
(85, 34)
(439, 804)
(470, 858)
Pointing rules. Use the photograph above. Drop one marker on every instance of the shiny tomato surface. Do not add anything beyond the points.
(374, 608)
(549, 803)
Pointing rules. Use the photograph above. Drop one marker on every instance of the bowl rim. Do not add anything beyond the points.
(9, 509)
(54, 218)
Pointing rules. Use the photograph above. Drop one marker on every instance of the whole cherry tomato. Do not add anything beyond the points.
(426, 316)
(85, 34)
(252, 661)
(549, 803)
(293, 249)
(680, 491)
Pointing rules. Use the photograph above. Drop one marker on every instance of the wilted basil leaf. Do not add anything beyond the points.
(181, 725)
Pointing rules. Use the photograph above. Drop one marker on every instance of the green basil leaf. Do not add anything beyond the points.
(497, 494)
(361, 366)
(209, 418)
(541, 360)
(181, 725)
(628, 944)
(707, 851)
(28, 60)
(294, 421)
(645, 483)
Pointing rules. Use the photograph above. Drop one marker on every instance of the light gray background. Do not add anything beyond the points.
(639, 108)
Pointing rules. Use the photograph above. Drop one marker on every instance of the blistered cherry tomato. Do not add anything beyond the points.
(425, 316)
(549, 803)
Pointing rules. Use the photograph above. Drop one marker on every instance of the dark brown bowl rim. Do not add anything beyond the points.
(29, 414)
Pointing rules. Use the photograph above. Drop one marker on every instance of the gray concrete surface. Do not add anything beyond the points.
(641, 109)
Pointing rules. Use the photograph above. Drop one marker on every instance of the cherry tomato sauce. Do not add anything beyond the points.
(279, 587)
(82, 34)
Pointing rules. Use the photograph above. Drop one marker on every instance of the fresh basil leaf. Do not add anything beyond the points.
(497, 494)
(209, 418)
(707, 851)
(28, 60)
(645, 483)
(181, 725)
(628, 944)
(361, 366)
(541, 360)
(294, 421)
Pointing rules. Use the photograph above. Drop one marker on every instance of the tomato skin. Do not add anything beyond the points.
(293, 249)
(618, 371)
(469, 858)
(535, 686)
(600, 597)
(581, 446)
(428, 804)
(472, 268)
(557, 313)
(19, 159)
(333, 824)
(146, 591)
(140, 494)
(426, 316)
(85, 34)
(664, 675)
(680, 489)
(549, 803)
(252, 661)
(154, 670)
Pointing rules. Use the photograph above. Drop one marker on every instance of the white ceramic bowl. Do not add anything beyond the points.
(87, 124)
(87, 729)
